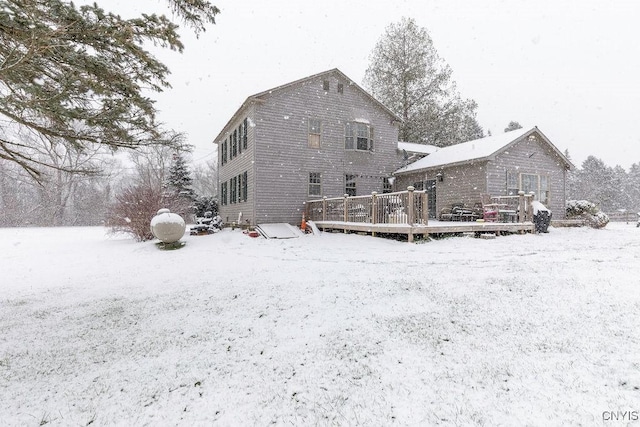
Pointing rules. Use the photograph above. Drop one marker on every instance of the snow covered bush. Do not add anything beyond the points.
(136, 205)
(588, 211)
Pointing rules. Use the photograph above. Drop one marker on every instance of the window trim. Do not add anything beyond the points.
(354, 132)
(544, 196)
(310, 124)
(314, 184)
(223, 193)
(350, 185)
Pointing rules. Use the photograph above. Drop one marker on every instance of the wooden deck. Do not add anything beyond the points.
(406, 213)
(433, 228)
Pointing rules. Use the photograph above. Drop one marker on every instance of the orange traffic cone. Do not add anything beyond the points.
(303, 225)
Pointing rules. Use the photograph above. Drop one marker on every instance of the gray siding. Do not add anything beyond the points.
(460, 184)
(530, 157)
(465, 183)
(284, 160)
(244, 162)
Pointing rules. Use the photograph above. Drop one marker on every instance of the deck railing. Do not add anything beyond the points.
(401, 207)
(520, 203)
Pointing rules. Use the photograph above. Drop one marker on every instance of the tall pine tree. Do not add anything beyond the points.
(179, 180)
(407, 75)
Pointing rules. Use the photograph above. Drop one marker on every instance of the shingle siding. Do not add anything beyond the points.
(243, 162)
(465, 183)
(531, 157)
(282, 158)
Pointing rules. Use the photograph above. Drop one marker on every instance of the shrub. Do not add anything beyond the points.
(587, 211)
(136, 205)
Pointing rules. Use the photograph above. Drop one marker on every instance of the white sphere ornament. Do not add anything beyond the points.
(167, 227)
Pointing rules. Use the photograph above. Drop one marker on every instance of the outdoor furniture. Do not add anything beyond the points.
(458, 212)
(496, 211)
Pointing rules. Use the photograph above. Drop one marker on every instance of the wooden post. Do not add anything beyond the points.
(425, 208)
(324, 208)
(374, 210)
(346, 211)
(374, 207)
(410, 215)
(521, 207)
(529, 198)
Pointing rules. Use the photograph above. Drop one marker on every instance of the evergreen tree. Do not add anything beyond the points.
(82, 75)
(179, 180)
(512, 126)
(407, 75)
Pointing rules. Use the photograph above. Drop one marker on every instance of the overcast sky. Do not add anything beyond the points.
(569, 67)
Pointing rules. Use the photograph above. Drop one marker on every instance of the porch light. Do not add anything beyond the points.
(440, 177)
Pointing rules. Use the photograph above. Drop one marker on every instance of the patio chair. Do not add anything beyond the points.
(489, 209)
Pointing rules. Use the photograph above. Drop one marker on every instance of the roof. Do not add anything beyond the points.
(412, 147)
(259, 96)
(476, 150)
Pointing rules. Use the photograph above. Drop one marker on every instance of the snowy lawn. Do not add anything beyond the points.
(335, 329)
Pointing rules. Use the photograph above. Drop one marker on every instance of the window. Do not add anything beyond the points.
(544, 193)
(325, 85)
(223, 193)
(233, 193)
(512, 184)
(418, 186)
(315, 184)
(386, 185)
(358, 136)
(234, 150)
(244, 134)
(240, 186)
(240, 130)
(224, 152)
(350, 185)
(529, 183)
(314, 133)
(244, 186)
(340, 88)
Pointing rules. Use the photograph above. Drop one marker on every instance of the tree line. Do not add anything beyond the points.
(611, 188)
(73, 91)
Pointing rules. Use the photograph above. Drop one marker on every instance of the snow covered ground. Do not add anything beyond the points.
(332, 329)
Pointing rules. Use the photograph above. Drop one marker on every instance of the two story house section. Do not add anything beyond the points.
(322, 135)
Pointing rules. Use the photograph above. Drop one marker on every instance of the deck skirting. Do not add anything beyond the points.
(433, 227)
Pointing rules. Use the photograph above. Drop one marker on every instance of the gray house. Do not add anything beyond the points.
(504, 164)
(319, 136)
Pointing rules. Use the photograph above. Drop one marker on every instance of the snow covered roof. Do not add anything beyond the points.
(479, 149)
(412, 147)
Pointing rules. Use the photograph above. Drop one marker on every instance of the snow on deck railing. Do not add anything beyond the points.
(401, 207)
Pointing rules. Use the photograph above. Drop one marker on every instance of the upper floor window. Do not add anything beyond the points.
(325, 85)
(234, 145)
(224, 152)
(358, 136)
(314, 133)
(340, 88)
(244, 134)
